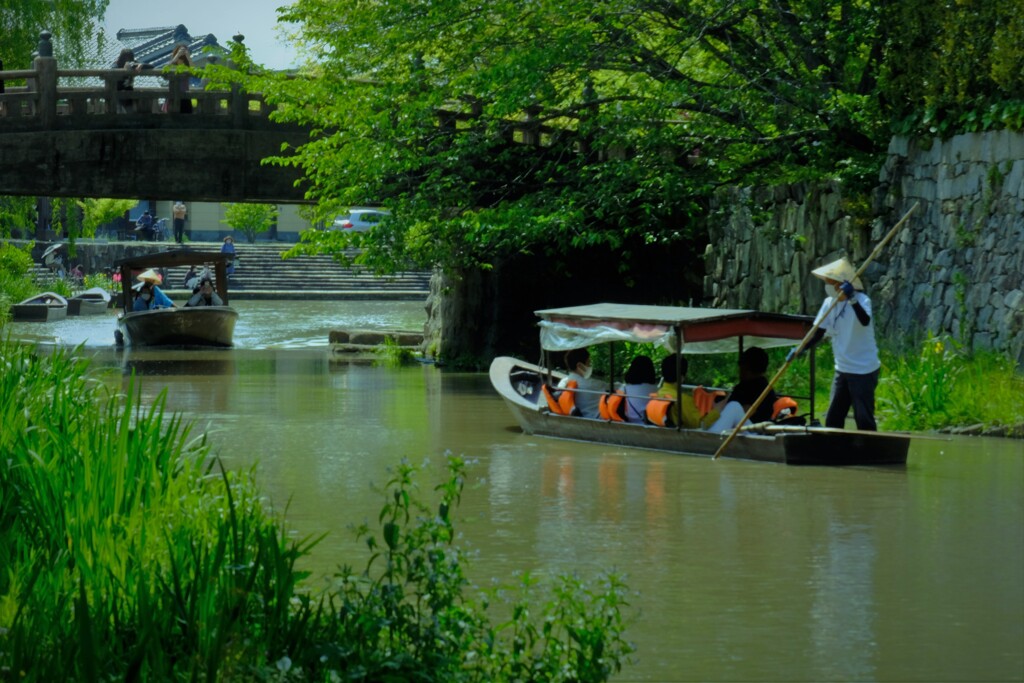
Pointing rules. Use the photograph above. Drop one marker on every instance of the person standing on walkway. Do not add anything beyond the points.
(229, 248)
(178, 213)
(851, 328)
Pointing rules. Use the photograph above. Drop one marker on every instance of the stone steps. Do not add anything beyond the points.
(262, 274)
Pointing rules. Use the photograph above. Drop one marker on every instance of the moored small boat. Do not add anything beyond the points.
(93, 301)
(682, 330)
(41, 308)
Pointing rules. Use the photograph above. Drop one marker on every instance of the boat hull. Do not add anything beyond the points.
(93, 301)
(44, 308)
(519, 384)
(198, 326)
(86, 307)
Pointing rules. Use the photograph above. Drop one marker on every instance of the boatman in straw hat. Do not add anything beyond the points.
(150, 296)
(852, 332)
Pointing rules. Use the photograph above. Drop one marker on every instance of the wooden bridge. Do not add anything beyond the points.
(60, 138)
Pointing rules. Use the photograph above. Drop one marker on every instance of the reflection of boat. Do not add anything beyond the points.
(683, 330)
(41, 308)
(179, 326)
(92, 301)
(195, 362)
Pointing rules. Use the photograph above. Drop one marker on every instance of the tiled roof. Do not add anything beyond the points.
(154, 45)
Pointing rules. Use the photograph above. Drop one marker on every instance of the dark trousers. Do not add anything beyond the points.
(857, 391)
(179, 230)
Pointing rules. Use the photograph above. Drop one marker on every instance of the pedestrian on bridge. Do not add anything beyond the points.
(179, 82)
(126, 61)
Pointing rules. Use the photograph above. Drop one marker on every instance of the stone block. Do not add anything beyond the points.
(966, 147)
(899, 146)
(338, 337)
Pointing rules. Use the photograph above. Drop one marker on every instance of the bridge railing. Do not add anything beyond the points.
(49, 92)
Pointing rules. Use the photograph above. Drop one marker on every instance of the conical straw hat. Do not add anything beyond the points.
(838, 270)
(149, 276)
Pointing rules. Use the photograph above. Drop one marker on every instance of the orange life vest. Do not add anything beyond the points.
(657, 410)
(612, 407)
(566, 401)
(705, 400)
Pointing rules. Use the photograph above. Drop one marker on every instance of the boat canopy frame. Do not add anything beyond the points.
(678, 329)
(675, 328)
(130, 267)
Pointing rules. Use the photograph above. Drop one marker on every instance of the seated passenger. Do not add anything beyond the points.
(692, 416)
(588, 393)
(639, 385)
(150, 297)
(203, 294)
(753, 366)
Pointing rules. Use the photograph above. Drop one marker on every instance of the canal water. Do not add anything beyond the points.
(740, 571)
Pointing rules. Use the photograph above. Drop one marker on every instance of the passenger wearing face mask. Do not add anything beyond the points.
(150, 296)
(588, 389)
(852, 331)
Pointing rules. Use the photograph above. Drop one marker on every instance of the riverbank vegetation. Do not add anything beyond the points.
(129, 553)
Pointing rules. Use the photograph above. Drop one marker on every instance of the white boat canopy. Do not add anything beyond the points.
(699, 330)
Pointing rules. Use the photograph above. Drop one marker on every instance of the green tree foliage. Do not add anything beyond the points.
(73, 24)
(97, 212)
(641, 107)
(15, 281)
(17, 213)
(250, 219)
(954, 67)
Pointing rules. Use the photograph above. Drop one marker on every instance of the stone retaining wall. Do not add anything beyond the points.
(956, 268)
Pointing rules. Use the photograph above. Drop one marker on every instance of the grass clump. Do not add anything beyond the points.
(127, 553)
(391, 354)
(945, 385)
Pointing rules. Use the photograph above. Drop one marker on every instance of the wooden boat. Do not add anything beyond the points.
(179, 326)
(41, 308)
(682, 330)
(93, 301)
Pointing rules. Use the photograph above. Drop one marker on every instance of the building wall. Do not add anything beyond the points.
(205, 222)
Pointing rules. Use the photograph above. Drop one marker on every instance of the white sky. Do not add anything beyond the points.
(254, 19)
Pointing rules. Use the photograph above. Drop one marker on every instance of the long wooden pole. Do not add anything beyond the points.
(810, 334)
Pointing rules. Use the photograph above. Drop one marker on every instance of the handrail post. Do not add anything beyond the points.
(46, 81)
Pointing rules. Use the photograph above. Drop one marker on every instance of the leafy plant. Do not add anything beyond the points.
(15, 267)
(918, 392)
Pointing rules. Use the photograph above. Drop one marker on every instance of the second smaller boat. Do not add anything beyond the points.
(93, 301)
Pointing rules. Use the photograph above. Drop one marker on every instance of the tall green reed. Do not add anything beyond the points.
(127, 552)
